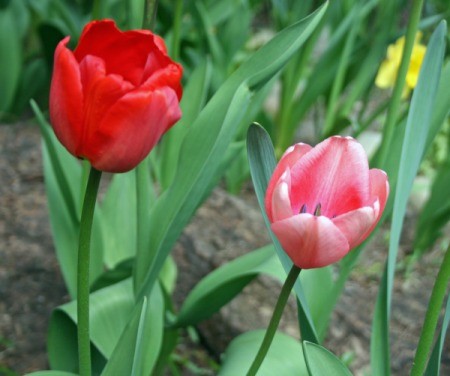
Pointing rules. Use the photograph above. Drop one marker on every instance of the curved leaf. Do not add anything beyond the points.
(207, 141)
(224, 283)
(321, 362)
(284, 358)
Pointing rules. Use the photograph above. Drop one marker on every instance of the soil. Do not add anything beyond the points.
(223, 228)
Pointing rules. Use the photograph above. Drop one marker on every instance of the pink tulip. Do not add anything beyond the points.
(324, 201)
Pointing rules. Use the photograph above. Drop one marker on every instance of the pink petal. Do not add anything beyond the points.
(66, 98)
(289, 158)
(355, 225)
(281, 203)
(311, 241)
(379, 188)
(335, 174)
(132, 128)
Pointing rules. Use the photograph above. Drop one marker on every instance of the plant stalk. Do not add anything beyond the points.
(275, 320)
(84, 248)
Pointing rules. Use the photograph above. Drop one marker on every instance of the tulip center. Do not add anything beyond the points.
(317, 210)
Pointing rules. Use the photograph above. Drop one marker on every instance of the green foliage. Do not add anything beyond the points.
(284, 357)
(412, 151)
(321, 362)
(262, 163)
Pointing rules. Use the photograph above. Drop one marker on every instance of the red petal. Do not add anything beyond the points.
(132, 128)
(103, 39)
(289, 158)
(101, 92)
(66, 98)
(311, 241)
(335, 174)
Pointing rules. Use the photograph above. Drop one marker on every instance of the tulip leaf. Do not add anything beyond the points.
(413, 149)
(110, 310)
(284, 358)
(63, 184)
(436, 211)
(137, 350)
(321, 362)
(434, 364)
(194, 98)
(116, 324)
(262, 162)
(10, 57)
(51, 373)
(224, 283)
(119, 229)
(207, 141)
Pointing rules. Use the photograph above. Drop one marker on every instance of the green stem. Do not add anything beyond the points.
(150, 14)
(275, 320)
(392, 114)
(175, 52)
(432, 316)
(84, 246)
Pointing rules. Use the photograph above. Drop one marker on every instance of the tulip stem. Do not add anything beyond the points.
(84, 247)
(432, 316)
(275, 320)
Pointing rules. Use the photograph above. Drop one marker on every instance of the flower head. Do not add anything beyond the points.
(324, 201)
(114, 96)
(387, 73)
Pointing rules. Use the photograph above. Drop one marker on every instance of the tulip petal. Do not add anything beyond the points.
(335, 174)
(379, 187)
(281, 203)
(355, 225)
(101, 92)
(311, 241)
(289, 158)
(103, 39)
(169, 75)
(66, 98)
(131, 129)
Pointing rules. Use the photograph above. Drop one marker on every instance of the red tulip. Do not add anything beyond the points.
(324, 201)
(114, 96)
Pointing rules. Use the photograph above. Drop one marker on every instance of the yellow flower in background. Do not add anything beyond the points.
(387, 73)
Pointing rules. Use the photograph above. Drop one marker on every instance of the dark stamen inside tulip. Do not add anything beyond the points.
(317, 210)
(303, 209)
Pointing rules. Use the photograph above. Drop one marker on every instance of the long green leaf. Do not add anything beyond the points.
(207, 141)
(10, 57)
(194, 98)
(51, 373)
(119, 219)
(321, 362)
(262, 162)
(413, 149)
(284, 358)
(434, 364)
(223, 284)
(138, 347)
(110, 310)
